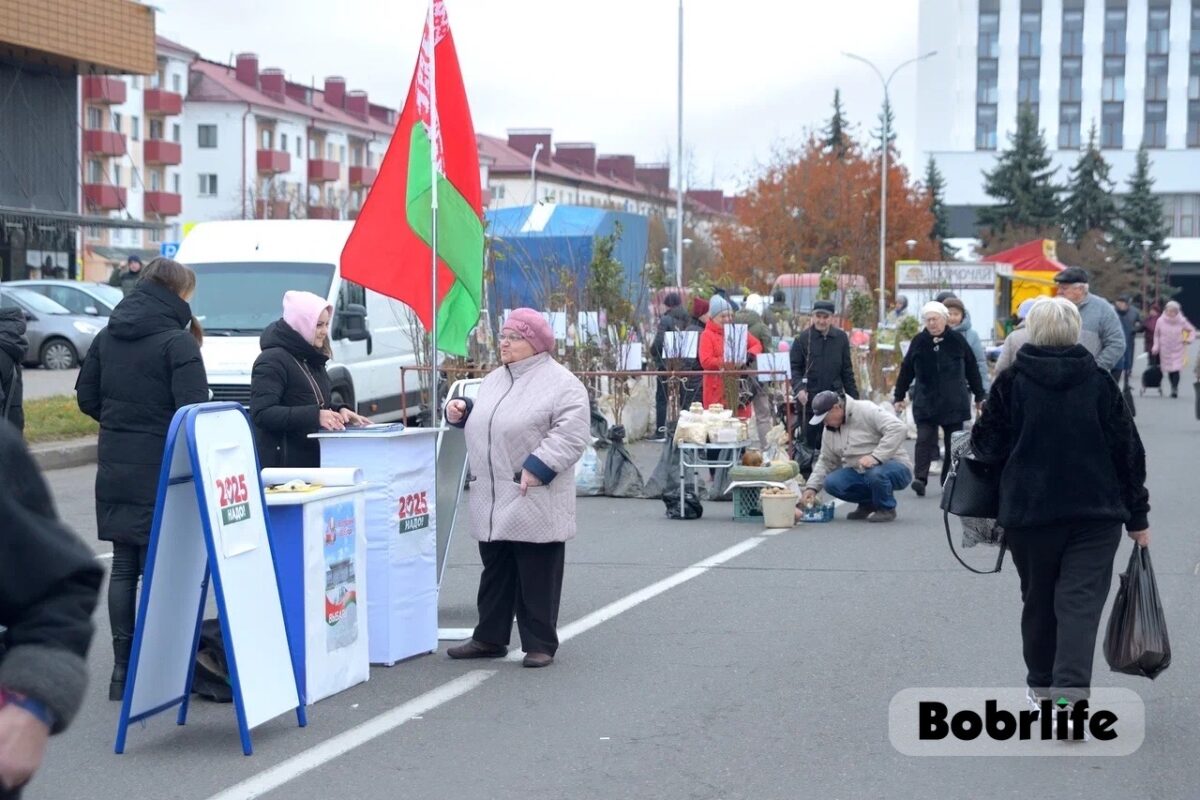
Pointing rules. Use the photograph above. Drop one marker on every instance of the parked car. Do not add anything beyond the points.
(57, 338)
(78, 297)
(242, 270)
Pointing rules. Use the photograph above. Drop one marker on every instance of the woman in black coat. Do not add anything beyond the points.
(1074, 472)
(142, 368)
(941, 363)
(290, 392)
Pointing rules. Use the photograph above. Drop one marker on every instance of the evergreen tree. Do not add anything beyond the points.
(877, 134)
(836, 136)
(1022, 182)
(1089, 204)
(1142, 214)
(935, 187)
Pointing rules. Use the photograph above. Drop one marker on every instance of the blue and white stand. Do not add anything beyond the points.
(210, 519)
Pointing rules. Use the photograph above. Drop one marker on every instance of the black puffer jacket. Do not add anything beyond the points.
(49, 581)
(1070, 449)
(943, 370)
(140, 369)
(288, 388)
(13, 346)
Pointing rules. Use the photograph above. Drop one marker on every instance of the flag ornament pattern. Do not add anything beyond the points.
(433, 150)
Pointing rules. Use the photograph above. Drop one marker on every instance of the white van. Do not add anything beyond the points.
(242, 270)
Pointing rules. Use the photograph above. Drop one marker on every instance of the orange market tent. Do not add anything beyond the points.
(1034, 265)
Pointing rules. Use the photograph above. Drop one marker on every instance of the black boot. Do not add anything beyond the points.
(116, 686)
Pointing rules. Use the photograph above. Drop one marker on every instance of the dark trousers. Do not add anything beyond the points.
(129, 560)
(927, 448)
(1173, 377)
(1065, 575)
(812, 433)
(525, 579)
(660, 405)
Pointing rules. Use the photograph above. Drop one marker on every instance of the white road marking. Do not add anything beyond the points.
(339, 745)
(602, 615)
(104, 556)
(343, 743)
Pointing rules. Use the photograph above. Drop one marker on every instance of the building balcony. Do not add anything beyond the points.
(362, 176)
(164, 204)
(321, 171)
(161, 103)
(104, 196)
(322, 212)
(272, 162)
(104, 143)
(272, 209)
(160, 152)
(103, 89)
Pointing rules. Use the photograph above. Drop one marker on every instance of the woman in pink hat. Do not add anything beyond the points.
(291, 395)
(526, 429)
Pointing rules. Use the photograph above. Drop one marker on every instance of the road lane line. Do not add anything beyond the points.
(602, 615)
(339, 745)
(308, 760)
(104, 556)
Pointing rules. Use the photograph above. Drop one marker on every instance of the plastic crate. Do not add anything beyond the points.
(747, 506)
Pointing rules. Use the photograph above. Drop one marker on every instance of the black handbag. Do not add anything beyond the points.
(972, 489)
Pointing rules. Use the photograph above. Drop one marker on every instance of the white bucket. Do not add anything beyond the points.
(779, 510)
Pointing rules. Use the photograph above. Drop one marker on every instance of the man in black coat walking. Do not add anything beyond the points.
(49, 581)
(820, 357)
(940, 367)
(13, 346)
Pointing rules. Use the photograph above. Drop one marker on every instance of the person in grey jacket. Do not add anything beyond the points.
(526, 429)
(960, 321)
(1102, 333)
(1015, 340)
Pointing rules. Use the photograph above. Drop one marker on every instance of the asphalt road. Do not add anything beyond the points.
(40, 382)
(766, 676)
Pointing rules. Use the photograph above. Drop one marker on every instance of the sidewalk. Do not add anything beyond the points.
(63, 455)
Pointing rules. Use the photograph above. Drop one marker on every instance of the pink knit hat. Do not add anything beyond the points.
(533, 327)
(301, 310)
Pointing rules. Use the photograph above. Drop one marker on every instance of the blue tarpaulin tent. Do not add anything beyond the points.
(532, 245)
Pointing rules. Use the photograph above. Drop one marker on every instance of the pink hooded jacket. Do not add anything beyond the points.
(1169, 344)
(535, 415)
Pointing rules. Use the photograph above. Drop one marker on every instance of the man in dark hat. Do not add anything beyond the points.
(820, 358)
(1101, 333)
(125, 279)
(863, 458)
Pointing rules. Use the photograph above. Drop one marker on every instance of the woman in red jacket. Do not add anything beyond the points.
(712, 353)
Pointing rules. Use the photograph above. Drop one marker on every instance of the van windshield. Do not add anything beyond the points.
(235, 298)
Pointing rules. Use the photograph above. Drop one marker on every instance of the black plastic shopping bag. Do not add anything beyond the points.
(1136, 642)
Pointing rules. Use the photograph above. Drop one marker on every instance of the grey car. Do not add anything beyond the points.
(85, 298)
(57, 338)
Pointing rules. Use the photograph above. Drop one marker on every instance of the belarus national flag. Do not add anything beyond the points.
(389, 248)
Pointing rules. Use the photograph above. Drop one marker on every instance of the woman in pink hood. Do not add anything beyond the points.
(526, 429)
(291, 395)
(1171, 336)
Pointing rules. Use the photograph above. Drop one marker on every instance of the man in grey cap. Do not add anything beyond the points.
(1101, 333)
(863, 459)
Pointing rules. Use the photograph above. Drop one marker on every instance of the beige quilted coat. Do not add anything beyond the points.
(533, 414)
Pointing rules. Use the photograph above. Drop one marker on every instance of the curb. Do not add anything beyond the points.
(64, 455)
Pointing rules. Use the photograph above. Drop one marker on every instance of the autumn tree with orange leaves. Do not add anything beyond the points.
(816, 202)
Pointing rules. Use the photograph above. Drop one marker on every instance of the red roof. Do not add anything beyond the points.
(1039, 255)
(218, 83)
(509, 161)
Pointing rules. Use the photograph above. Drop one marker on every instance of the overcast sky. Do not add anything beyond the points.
(756, 74)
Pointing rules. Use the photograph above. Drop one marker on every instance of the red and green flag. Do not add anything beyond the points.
(432, 158)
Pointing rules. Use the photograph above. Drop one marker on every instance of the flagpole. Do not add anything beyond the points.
(435, 136)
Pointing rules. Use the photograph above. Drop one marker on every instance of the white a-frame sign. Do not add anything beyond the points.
(210, 520)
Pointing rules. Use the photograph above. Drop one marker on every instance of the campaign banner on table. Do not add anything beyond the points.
(335, 593)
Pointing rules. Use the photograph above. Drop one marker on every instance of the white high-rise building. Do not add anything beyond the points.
(1131, 67)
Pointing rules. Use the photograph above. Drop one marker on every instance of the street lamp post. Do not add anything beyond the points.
(1145, 270)
(679, 162)
(537, 148)
(883, 155)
